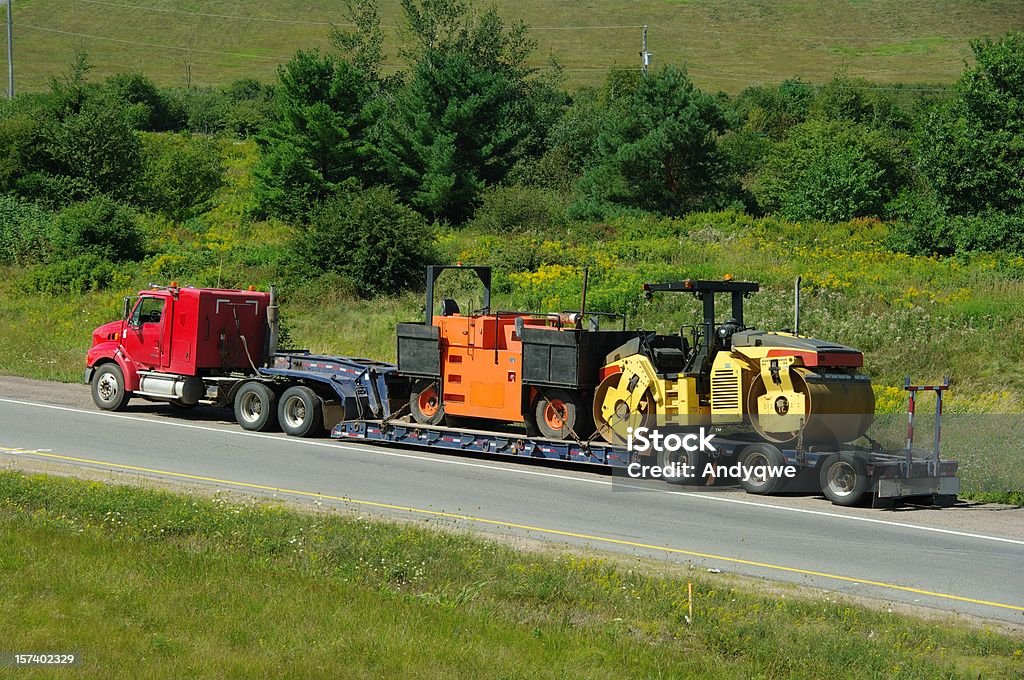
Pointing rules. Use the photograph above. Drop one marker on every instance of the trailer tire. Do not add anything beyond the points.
(108, 391)
(255, 407)
(300, 412)
(697, 460)
(761, 455)
(844, 480)
(425, 404)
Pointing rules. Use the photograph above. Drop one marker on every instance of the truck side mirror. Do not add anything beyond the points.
(127, 309)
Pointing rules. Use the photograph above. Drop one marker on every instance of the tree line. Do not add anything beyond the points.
(367, 162)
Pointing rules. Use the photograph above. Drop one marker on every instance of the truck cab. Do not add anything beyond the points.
(169, 339)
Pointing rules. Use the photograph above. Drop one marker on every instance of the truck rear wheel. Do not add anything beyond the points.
(108, 388)
(844, 480)
(425, 403)
(255, 407)
(763, 457)
(301, 412)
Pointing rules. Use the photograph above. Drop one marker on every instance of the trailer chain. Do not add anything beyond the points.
(397, 414)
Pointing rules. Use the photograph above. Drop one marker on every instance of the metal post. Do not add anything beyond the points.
(645, 56)
(938, 421)
(910, 424)
(273, 324)
(796, 307)
(583, 302)
(10, 49)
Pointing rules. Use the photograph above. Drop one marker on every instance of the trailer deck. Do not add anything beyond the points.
(888, 474)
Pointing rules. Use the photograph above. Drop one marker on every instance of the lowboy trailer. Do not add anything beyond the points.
(847, 475)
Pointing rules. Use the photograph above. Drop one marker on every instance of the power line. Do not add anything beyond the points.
(207, 15)
(580, 27)
(162, 47)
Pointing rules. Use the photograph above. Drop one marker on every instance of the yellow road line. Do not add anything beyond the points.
(525, 527)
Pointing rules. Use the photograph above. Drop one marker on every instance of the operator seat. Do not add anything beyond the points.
(449, 307)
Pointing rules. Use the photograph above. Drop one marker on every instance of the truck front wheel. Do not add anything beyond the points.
(255, 407)
(108, 388)
(300, 412)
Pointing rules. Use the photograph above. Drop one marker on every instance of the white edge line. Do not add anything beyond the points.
(337, 444)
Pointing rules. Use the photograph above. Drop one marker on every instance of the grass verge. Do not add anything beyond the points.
(180, 586)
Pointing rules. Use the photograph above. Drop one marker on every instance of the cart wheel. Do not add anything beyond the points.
(559, 413)
(763, 456)
(255, 407)
(843, 479)
(301, 412)
(425, 403)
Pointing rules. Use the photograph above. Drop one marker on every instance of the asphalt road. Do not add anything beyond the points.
(963, 560)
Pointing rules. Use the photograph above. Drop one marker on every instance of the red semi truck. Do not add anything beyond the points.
(188, 346)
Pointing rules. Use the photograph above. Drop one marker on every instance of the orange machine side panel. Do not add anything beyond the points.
(479, 382)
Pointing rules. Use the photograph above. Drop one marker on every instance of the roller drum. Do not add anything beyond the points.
(839, 410)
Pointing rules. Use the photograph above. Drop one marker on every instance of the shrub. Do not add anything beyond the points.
(152, 109)
(830, 171)
(516, 209)
(369, 237)
(80, 274)
(204, 109)
(922, 227)
(251, 109)
(23, 232)
(182, 174)
(95, 150)
(101, 227)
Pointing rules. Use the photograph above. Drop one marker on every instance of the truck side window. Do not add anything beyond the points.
(149, 310)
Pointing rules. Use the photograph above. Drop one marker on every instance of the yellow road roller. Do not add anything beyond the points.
(787, 387)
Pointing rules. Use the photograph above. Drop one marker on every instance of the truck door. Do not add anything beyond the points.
(143, 335)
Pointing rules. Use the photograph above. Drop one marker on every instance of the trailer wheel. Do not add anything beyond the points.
(559, 413)
(697, 460)
(761, 456)
(843, 479)
(108, 391)
(255, 407)
(425, 403)
(300, 412)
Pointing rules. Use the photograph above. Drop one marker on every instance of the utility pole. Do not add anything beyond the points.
(645, 56)
(10, 49)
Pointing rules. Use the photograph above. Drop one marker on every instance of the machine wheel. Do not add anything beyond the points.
(761, 455)
(108, 388)
(843, 479)
(255, 407)
(300, 412)
(559, 413)
(614, 428)
(425, 403)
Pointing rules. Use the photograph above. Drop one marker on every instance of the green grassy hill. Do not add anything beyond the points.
(727, 44)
